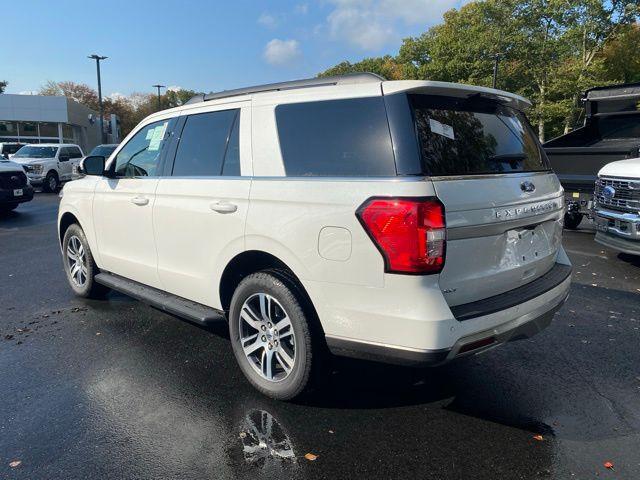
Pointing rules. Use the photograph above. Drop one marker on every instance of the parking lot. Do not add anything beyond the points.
(115, 389)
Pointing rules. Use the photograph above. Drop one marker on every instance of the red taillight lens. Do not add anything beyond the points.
(409, 232)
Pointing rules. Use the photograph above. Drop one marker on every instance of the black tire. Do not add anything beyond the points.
(306, 369)
(572, 220)
(88, 289)
(51, 182)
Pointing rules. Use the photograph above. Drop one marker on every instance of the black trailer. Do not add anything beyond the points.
(611, 132)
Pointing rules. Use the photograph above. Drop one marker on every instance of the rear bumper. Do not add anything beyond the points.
(438, 338)
(7, 197)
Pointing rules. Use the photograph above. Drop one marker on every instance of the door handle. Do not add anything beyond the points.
(141, 201)
(223, 207)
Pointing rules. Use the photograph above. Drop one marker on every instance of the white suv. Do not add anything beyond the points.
(405, 221)
(49, 164)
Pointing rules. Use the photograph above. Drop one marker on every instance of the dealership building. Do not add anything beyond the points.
(52, 119)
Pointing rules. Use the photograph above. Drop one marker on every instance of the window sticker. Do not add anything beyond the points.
(157, 137)
(441, 129)
(150, 133)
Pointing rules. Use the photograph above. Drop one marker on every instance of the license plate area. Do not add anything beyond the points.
(527, 245)
(18, 192)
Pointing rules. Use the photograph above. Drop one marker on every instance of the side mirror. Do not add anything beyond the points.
(93, 165)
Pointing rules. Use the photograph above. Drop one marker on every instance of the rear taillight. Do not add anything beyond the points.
(409, 232)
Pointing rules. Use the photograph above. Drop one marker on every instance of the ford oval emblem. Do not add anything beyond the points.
(608, 192)
(527, 187)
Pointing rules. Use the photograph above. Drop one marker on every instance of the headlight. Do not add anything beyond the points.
(36, 168)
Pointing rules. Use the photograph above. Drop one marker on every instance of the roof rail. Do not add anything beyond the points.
(350, 78)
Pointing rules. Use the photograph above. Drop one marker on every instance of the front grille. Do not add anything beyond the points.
(10, 180)
(626, 197)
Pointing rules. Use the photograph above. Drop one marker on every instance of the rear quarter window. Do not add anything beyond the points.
(341, 138)
(473, 136)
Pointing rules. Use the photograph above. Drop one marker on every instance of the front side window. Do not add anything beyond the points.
(74, 152)
(336, 138)
(472, 136)
(29, 151)
(140, 157)
(207, 142)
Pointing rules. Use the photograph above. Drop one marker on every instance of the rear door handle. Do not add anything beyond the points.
(141, 201)
(223, 207)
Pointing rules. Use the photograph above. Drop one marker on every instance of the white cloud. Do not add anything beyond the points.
(372, 24)
(282, 52)
(174, 88)
(302, 8)
(268, 20)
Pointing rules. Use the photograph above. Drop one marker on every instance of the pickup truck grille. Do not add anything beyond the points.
(626, 197)
(9, 180)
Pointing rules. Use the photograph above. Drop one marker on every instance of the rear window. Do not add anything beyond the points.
(341, 138)
(474, 136)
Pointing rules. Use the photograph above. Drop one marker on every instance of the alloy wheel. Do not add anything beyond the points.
(267, 337)
(77, 260)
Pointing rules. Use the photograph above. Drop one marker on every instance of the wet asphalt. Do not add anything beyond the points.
(116, 389)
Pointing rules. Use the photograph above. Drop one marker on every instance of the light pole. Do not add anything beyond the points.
(496, 60)
(97, 58)
(159, 87)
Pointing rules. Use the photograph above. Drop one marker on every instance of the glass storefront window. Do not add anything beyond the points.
(28, 129)
(48, 129)
(67, 131)
(8, 128)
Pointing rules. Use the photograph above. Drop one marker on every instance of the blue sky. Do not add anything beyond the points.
(202, 45)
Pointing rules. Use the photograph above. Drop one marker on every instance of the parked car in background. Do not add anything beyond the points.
(14, 185)
(104, 150)
(617, 208)
(49, 164)
(411, 222)
(611, 132)
(8, 149)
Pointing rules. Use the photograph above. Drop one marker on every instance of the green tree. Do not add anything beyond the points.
(3, 85)
(550, 52)
(386, 66)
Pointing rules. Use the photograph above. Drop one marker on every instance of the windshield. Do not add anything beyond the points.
(103, 150)
(474, 136)
(30, 151)
(11, 148)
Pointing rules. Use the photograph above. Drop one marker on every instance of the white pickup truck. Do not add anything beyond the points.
(49, 164)
(617, 210)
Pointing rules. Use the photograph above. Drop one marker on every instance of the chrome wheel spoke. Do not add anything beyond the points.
(267, 364)
(251, 344)
(283, 323)
(285, 361)
(265, 307)
(248, 315)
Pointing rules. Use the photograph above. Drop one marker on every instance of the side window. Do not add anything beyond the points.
(204, 141)
(64, 153)
(140, 157)
(342, 138)
(75, 152)
(231, 165)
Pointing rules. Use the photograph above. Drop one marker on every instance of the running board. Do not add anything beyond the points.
(167, 302)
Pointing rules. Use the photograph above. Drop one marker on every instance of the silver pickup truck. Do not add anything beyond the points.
(617, 208)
